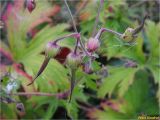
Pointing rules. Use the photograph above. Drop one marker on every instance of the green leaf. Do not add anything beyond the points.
(19, 23)
(137, 100)
(72, 110)
(6, 111)
(153, 35)
(51, 109)
(122, 76)
(38, 43)
(138, 97)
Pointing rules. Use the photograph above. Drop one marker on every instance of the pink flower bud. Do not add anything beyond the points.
(87, 67)
(73, 60)
(92, 44)
(52, 49)
(30, 4)
(20, 107)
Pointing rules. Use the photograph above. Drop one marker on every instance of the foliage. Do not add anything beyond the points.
(111, 91)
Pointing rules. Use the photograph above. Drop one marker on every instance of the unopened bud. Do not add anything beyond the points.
(52, 49)
(128, 36)
(88, 68)
(30, 4)
(20, 107)
(92, 44)
(73, 60)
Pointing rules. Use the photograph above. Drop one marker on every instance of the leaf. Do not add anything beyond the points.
(38, 43)
(72, 110)
(51, 109)
(138, 97)
(107, 114)
(6, 111)
(22, 20)
(152, 31)
(136, 101)
(117, 76)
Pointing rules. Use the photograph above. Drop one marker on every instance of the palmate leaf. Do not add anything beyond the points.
(153, 63)
(44, 107)
(136, 101)
(138, 97)
(122, 76)
(19, 22)
(39, 41)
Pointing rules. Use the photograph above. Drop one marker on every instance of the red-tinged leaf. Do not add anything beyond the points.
(20, 70)
(11, 7)
(45, 19)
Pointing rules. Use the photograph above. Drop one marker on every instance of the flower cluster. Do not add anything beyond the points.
(82, 50)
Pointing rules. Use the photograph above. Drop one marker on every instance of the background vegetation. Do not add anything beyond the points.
(125, 80)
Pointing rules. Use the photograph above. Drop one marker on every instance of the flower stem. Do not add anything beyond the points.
(58, 95)
(73, 73)
(70, 35)
(70, 13)
(107, 30)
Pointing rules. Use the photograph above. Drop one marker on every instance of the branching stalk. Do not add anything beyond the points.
(75, 29)
(107, 30)
(75, 35)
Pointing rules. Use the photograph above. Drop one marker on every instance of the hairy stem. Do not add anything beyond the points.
(76, 35)
(76, 46)
(84, 49)
(97, 18)
(74, 24)
(73, 73)
(75, 29)
(58, 95)
(107, 30)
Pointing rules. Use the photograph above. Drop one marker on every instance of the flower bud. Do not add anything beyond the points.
(20, 107)
(92, 44)
(128, 36)
(30, 4)
(88, 68)
(73, 60)
(52, 49)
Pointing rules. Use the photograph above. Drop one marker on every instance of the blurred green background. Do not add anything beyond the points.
(115, 90)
